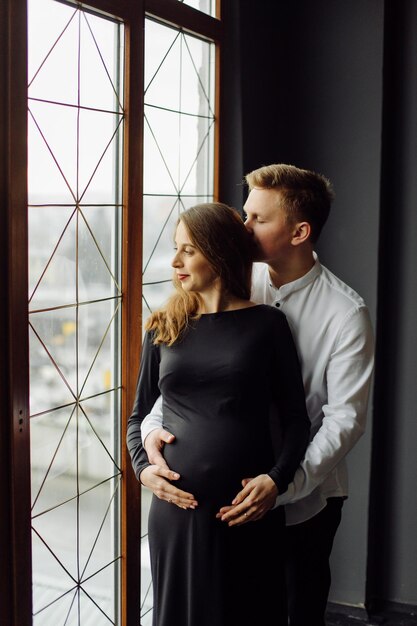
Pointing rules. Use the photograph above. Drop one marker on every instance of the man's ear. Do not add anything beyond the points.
(301, 233)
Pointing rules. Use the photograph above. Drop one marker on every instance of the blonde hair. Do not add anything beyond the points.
(218, 232)
(305, 195)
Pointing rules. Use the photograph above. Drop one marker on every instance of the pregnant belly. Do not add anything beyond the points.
(213, 459)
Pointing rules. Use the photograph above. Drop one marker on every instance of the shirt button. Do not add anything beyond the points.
(277, 304)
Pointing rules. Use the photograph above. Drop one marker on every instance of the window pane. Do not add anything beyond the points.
(75, 135)
(178, 144)
(206, 6)
(178, 171)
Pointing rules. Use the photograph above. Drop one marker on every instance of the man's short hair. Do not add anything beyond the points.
(306, 195)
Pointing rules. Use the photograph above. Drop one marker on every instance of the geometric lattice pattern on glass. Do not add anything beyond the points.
(75, 121)
(178, 144)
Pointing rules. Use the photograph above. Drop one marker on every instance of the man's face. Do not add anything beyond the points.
(267, 223)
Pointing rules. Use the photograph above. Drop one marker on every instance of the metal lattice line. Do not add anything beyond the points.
(198, 76)
(52, 255)
(55, 601)
(179, 112)
(159, 237)
(97, 605)
(82, 493)
(102, 60)
(53, 48)
(161, 63)
(197, 155)
(98, 350)
(76, 106)
(160, 152)
(118, 558)
(100, 252)
(54, 555)
(52, 460)
(101, 158)
(60, 307)
(98, 437)
(53, 156)
(96, 540)
(70, 607)
(54, 362)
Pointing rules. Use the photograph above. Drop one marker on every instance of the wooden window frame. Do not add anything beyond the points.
(15, 521)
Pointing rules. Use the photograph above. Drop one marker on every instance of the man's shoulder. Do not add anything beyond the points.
(340, 291)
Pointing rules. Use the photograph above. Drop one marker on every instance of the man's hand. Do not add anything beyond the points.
(154, 445)
(157, 479)
(252, 503)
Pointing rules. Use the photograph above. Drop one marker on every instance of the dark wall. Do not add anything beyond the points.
(393, 515)
(314, 92)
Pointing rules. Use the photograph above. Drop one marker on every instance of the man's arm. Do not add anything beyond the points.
(153, 420)
(154, 436)
(349, 374)
(158, 476)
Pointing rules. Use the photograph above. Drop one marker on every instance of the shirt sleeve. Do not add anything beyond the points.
(147, 391)
(290, 412)
(153, 420)
(348, 377)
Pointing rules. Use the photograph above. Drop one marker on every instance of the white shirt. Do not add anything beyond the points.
(333, 334)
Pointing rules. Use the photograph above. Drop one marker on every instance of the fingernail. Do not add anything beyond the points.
(176, 475)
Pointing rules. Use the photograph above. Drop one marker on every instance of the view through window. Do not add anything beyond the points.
(74, 150)
(76, 117)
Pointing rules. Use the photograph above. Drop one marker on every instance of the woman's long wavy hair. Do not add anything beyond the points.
(219, 233)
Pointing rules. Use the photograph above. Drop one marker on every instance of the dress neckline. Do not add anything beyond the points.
(246, 308)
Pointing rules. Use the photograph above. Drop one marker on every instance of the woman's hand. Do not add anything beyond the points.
(158, 478)
(252, 503)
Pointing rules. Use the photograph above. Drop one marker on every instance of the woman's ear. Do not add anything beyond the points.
(301, 233)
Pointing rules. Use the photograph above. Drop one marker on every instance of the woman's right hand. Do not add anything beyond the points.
(158, 478)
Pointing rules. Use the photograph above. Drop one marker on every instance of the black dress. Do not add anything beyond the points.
(232, 380)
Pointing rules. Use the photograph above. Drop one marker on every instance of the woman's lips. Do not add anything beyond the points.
(182, 276)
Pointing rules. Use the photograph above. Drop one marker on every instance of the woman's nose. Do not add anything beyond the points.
(176, 261)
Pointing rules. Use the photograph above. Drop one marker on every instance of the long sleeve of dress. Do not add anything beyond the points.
(147, 391)
(291, 412)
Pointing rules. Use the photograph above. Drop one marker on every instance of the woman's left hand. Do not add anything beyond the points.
(252, 503)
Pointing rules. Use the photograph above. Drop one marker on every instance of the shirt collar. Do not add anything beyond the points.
(299, 283)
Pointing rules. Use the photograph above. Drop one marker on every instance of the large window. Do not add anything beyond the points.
(121, 137)
(75, 139)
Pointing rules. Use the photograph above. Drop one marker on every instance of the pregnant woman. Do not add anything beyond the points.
(233, 397)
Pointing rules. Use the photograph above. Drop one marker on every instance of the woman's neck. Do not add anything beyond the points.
(221, 301)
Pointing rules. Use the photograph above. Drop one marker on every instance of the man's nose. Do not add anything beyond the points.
(248, 224)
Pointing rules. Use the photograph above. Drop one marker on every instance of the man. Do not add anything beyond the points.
(286, 210)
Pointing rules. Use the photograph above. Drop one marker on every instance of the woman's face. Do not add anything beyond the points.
(192, 268)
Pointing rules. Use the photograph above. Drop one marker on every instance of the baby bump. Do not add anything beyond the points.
(212, 459)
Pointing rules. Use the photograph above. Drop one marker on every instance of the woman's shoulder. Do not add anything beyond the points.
(269, 312)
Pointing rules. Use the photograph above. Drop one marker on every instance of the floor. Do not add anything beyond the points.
(353, 617)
